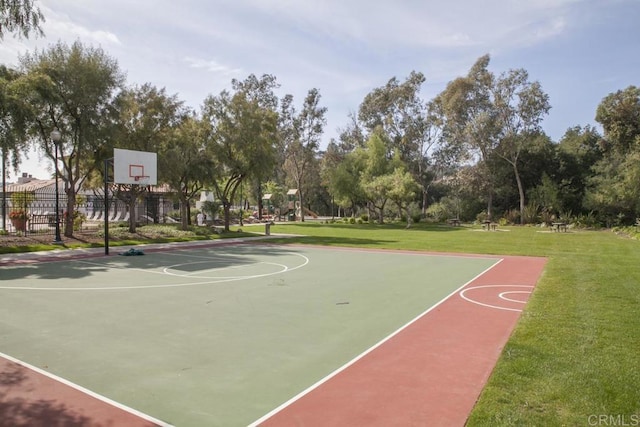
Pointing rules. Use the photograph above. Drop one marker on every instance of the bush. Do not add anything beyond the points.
(78, 219)
(589, 220)
(438, 212)
(482, 217)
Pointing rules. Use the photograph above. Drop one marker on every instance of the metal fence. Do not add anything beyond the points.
(36, 214)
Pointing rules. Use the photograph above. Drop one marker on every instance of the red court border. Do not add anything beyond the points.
(429, 373)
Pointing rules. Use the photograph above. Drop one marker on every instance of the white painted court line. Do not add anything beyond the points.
(227, 279)
(471, 300)
(503, 295)
(86, 391)
(365, 353)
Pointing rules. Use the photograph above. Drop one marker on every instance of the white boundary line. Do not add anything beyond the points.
(87, 391)
(464, 297)
(365, 353)
(503, 296)
(213, 281)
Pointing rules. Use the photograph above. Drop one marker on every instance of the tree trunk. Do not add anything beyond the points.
(184, 212)
(226, 207)
(68, 213)
(300, 200)
(132, 214)
(520, 192)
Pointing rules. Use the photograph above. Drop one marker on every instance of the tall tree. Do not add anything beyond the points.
(300, 137)
(412, 128)
(240, 138)
(73, 90)
(469, 122)
(13, 119)
(520, 106)
(578, 151)
(379, 164)
(146, 119)
(619, 115)
(22, 17)
(613, 190)
(185, 164)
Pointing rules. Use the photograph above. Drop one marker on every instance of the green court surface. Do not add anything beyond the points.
(219, 335)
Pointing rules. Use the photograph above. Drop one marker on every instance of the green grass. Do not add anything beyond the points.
(576, 350)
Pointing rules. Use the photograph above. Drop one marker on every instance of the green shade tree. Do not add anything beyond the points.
(185, 163)
(300, 136)
(613, 188)
(520, 106)
(146, 119)
(241, 130)
(13, 125)
(72, 88)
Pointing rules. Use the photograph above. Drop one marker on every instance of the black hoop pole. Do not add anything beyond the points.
(106, 206)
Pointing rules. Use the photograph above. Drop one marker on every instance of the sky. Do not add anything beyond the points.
(579, 50)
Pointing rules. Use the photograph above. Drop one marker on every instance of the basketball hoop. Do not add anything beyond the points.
(141, 179)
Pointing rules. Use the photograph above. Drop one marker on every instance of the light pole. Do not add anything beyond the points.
(55, 137)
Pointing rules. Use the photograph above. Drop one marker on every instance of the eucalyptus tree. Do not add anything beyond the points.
(261, 91)
(242, 129)
(520, 106)
(470, 131)
(300, 135)
(413, 129)
(72, 89)
(488, 117)
(21, 17)
(146, 120)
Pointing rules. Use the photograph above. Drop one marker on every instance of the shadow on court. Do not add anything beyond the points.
(70, 269)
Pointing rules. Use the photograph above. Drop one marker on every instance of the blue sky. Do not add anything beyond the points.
(579, 50)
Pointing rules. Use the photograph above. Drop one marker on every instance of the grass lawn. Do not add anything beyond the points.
(574, 358)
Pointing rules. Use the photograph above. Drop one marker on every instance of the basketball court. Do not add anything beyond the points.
(256, 334)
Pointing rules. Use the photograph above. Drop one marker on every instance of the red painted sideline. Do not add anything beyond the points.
(433, 371)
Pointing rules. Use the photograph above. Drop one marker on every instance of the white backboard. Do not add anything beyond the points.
(135, 167)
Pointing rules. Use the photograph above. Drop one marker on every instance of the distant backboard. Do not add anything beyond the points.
(135, 167)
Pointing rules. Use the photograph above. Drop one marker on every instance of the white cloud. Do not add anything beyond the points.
(212, 66)
(429, 23)
(62, 26)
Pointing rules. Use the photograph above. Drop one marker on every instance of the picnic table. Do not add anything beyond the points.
(559, 226)
(489, 225)
(454, 221)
